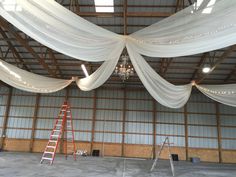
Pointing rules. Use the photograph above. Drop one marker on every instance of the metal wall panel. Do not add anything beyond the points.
(20, 115)
(3, 102)
(18, 133)
(82, 125)
(203, 131)
(42, 134)
(203, 119)
(224, 109)
(139, 105)
(167, 117)
(201, 107)
(83, 136)
(109, 115)
(110, 93)
(159, 107)
(175, 141)
(81, 102)
(139, 116)
(170, 129)
(109, 104)
(82, 113)
(138, 139)
(228, 120)
(229, 144)
(108, 137)
(202, 143)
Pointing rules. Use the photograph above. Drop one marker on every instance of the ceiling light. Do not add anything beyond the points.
(84, 70)
(104, 5)
(206, 68)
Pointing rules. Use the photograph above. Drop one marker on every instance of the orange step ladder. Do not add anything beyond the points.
(63, 127)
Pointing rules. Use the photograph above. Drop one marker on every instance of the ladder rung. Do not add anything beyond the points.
(55, 135)
(46, 158)
(52, 141)
(47, 152)
(51, 147)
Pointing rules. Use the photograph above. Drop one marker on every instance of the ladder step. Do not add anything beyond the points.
(55, 135)
(52, 141)
(46, 158)
(51, 147)
(47, 152)
(56, 130)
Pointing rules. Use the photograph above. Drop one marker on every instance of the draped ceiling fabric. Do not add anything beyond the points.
(30, 82)
(199, 28)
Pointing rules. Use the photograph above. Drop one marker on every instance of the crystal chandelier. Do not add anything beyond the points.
(124, 70)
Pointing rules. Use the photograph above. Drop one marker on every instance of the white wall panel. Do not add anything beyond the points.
(228, 120)
(139, 116)
(42, 134)
(177, 141)
(110, 93)
(201, 107)
(203, 143)
(202, 119)
(45, 123)
(159, 107)
(81, 102)
(229, 144)
(109, 115)
(19, 122)
(138, 95)
(18, 133)
(139, 105)
(48, 112)
(138, 139)
(203, 131)
(108, 137)
(170, 117)
(228, 132)
(82, 113)
(138, 127)
(109, 104)
(82, 136)
(224, 109)
(52, 101)
(82, 125)
(170, 129)
(23, 100)
(21, 111)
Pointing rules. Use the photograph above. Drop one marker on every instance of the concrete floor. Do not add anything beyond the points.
(27, 165)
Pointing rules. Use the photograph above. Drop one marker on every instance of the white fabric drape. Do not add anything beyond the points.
(196, 29)
(58, 28)
(103, 72)
(225, 94)
(30, 82)
(191, 31)
(164, 92)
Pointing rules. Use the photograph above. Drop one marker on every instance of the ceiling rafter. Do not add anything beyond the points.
(196, 71)
(224, 56)
(13, 49)
(24, 43)
(53, 58)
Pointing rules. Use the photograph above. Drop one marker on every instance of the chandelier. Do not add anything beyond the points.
(124, 70)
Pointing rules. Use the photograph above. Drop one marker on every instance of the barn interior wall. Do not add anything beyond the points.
(120, 122)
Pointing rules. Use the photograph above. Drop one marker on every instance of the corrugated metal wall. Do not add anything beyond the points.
(3, 102)
(20, 115)
(136, 107)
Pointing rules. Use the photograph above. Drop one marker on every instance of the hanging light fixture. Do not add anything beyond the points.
(206, 68)
(124, 70)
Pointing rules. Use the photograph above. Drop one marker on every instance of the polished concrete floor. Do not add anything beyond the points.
(27, 165)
